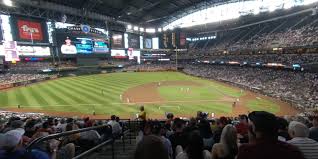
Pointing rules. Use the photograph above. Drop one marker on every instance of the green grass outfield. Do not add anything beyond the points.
(84, 94)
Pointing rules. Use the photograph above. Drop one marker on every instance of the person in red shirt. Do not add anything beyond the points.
(242, 129)
(263, 142)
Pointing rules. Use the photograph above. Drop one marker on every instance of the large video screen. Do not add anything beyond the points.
(80, 44)
(28, 29)
(117, 40)
(133, 41)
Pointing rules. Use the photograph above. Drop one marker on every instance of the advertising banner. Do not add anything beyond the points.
(26, 29)
(133, 41)
(118, 53)
(182, 39)
(117, 41)
(10, 51)
(29, 30)
(33, 51)
(148, 43)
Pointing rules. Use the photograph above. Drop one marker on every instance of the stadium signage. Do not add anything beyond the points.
(33, 51)
(29, 30)
(84, 28)
(10, 51)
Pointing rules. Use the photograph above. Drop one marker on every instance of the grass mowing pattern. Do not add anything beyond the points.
(84, 94)
(202, 96)
(263, 105)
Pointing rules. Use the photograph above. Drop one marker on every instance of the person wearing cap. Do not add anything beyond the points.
(11, 147)
(263, 142)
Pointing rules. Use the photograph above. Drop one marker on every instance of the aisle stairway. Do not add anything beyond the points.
(106, 152)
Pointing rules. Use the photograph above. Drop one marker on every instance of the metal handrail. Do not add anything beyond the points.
(54, 136)
(123, 138)
(109, 141)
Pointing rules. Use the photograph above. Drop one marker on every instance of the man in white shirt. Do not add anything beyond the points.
(61, 126)
(299, 134)
(116, 128)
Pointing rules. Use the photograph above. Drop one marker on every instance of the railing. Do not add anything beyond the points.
(91, 150)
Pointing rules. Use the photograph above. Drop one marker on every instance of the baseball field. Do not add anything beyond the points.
(122, 94)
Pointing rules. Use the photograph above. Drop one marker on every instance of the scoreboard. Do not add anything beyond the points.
(172, 40)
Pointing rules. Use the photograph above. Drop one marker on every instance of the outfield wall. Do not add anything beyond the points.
(23, 83)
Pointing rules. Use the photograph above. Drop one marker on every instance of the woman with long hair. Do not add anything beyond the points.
(227, 148)
(151, 147)
(194, 148)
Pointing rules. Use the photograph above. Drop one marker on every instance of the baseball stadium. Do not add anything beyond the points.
(158, 79)
(124, 93)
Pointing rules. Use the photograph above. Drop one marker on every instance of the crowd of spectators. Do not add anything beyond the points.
(259, 135)
(29, 66)
(14, 78)
(256, 135)
(285, 59)
(151, 67)
(299, 31)
(299, 87)
(18, 130)
(304, 36)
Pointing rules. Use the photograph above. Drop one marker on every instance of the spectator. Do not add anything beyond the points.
(30, 128)
(168, 124)
(55, 148)
(178, 137)
(45, 128)
(283, 129)
(71, 138)
(116, 128)
(194, 148)
(227, 148)
(217, 134)
(214, 126)
(158, 130)
(142, 115)
(61, 126)
(242, 128)
(151, 147)
(89, 138)
(264, 128)
(11, 147)
(313, 133)
(299, 133)
(206, 134)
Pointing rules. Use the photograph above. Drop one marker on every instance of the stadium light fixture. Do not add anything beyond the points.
(8, 3)
(141, 29)
(150, 30)
(159, 29)
(129, 27)
(136, 28)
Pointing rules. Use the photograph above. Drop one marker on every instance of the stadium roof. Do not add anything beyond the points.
(139, 12)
